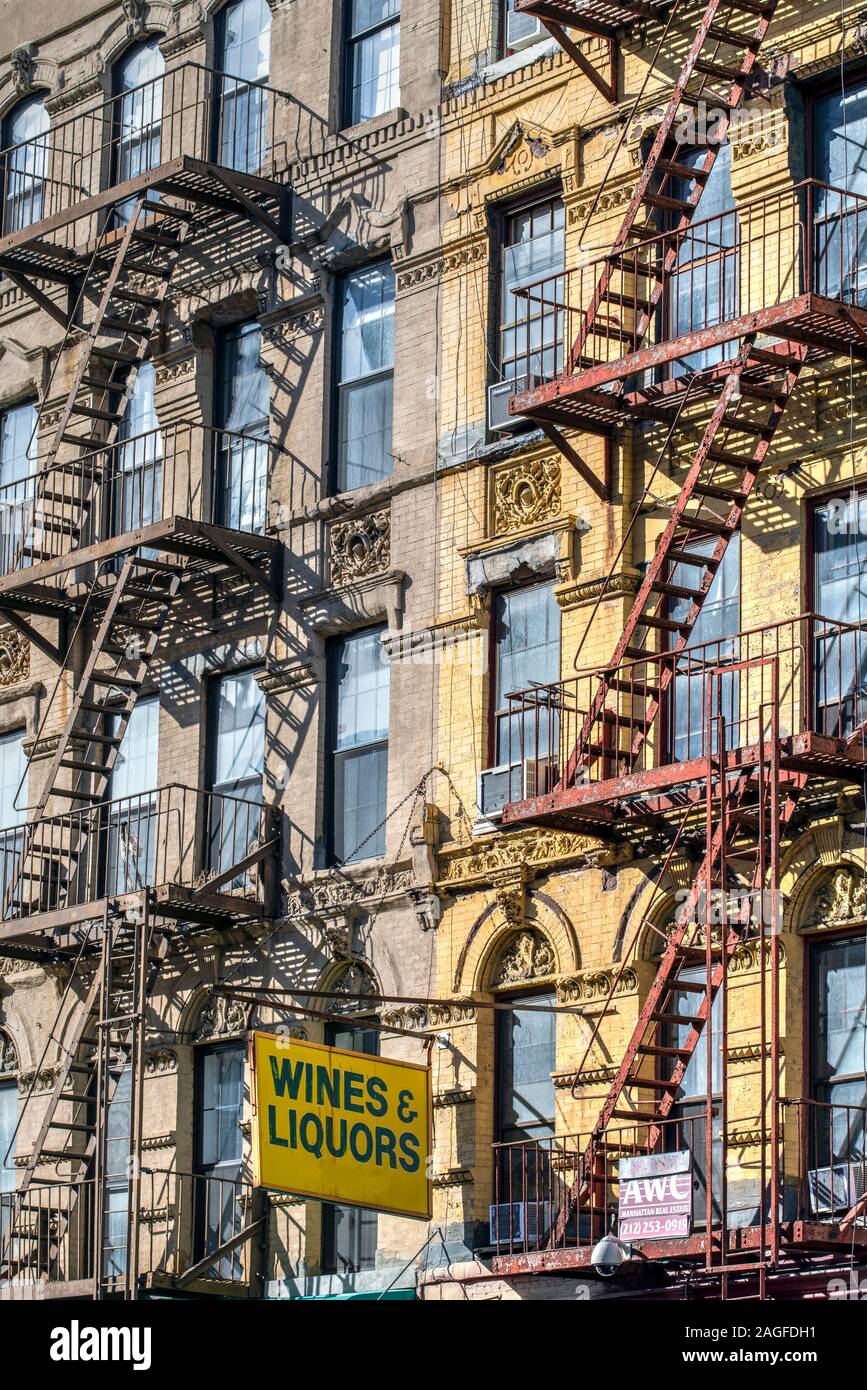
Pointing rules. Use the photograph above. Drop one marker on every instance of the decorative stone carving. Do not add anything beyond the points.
(162, 1061)
(354, 989)
(446, 1099)
(221, 1018)
(591, 1076)
(22, 66)
(430, 1016)
(535, 849)
(360, 548)
(841, 898)
(8, 1055)
(596, 985)
(453, 1177)
(527, 956)
(588, 591)
(427, 907)
(136, 13)
(524, 494)
(337, 893)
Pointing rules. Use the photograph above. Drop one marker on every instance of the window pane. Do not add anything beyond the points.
(25, 165)
(718, 621)
(138, 482)
(239, 736)
(534, 249)
(375, 67)
(220, 1107)
(706, 282)
(362, 690)
(244, 56)
(360, 749)
(527, 1057)
(138, 113)
(527, 637)
(360, 789)
(243, 447)
(367, 14)
(367, 322)
(840, 596)
(131, 849)
(365, 383)
(8, 1121)
(365, 433)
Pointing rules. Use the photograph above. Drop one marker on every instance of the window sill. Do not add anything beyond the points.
(373, 124)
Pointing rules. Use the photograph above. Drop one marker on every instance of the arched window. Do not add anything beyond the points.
(25, 159)
(243, 59)
(137, 115)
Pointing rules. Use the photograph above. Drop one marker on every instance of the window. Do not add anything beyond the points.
(132, 830)
(237, 731)
(25, 164)
(365, 372)
(359, 691)
(243, 405)
(717, 626)
(534, 249)
(244, 59)
(690, 1109)
(115, 1232)
(527, 652)
(138, 480)
(518, 31)
(13, 801)
(839, 130)
(526, 1057)
(349, 1234)
(372, 59)
(705, 286)
(17, 469)
(219, 1211)
(837, 1070)
(840, 596)
(138, 113)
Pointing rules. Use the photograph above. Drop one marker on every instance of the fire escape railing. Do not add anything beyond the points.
(175, 835)
(766, 251)
(187, 470)
(190, 110)
(822, 675)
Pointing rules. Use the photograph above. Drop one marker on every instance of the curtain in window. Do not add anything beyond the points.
(360, 749)
(115, 1235)
(243, 440)
(138, 113)
(244, 57)
(25, 164)
(840, 226)
(366, 376)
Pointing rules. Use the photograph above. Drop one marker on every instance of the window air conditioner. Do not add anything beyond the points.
(523, 30)
(518, 1223)
(499, 394)
(834, 1191)
(512, 782)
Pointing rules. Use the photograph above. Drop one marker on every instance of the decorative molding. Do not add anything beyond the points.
(336, 893)
(582, 593)
(446, 1100)
(159, 1141)
(220, 1017)
(41, 1081)
(289, 675)
(592, 986)
(751, 1052)
(527, 956)
(453, 1177)
(364, 599)
(423, 1017)
(14, 657)
(176, 370)
(540, 848)
(522, 494)
(746, 1138)
(161, 1061)
(840, 899)
(8, 1055)
(360, 548)
(590, 1076)
(355, 988)
(471, 255)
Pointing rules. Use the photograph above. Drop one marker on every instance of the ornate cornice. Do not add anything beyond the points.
(582, 593)
(415, 274)
(444, 1100)
(591, 986)
(590, 1076)
(453, 1177)
(479, 864)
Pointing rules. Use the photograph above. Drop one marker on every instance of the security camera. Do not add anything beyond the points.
(608, 1255)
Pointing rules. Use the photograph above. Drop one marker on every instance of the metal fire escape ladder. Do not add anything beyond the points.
(131, 627)
(723, 471)
(663, 170)
(115, 344)
(106, 1030)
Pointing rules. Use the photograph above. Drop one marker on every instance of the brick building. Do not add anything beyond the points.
(345, 397)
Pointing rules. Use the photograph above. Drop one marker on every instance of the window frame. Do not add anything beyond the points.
(335, 487)
(332, 754)
(349, 43)
(504, 213)
(221, 509)
(37, 97)
(212, 787)
(495, 711)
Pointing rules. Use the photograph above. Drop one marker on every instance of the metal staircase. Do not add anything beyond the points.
(131, 292)
(103, 1042)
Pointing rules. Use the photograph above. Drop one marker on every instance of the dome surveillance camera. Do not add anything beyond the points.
(608, 1255)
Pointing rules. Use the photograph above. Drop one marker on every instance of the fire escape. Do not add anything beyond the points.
(106, 216)
(702, 328)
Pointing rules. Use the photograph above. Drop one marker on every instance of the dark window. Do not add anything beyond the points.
(237, 757)
(25, 164)
(137, 116)
(531, 332)
(243, 407)
(243, 60)
(17, 476)
(840, 596)
(365, 370)
(714, 634)
(372, 59)
(219, 1210)
(527, 652)
(705, 286)
(359, 695)
(839, 136)
(349, 1233)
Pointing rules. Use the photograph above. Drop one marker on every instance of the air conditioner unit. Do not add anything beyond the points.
(518, 1223)
(523, 30)
(499, 395)
(512, 782)
(835, 1190)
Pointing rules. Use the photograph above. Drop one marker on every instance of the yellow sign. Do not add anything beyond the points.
(341, 1126)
